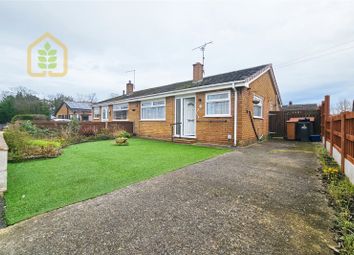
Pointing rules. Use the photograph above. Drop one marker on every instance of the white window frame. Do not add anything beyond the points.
(94, 115)
(217, 100)
(105, 107)
(261, 104)
(152, 106)
(120, 109)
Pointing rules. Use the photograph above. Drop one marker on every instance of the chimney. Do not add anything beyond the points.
(130, 88)
(197, 72)
(290, 103)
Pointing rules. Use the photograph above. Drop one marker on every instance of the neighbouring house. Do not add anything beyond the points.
(300, 107)
(69, 110)
(228, 108)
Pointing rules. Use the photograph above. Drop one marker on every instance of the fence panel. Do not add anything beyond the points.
(278, 119)
(337, 132)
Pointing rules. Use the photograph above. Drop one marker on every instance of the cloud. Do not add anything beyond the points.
(106, 39)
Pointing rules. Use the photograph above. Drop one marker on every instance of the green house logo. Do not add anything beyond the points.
(47, 56)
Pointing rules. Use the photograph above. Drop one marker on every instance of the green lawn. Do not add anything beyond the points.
(91, 169)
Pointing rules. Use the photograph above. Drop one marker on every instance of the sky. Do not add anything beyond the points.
(309, 43)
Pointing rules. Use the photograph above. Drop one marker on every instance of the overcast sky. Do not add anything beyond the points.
(309, 43)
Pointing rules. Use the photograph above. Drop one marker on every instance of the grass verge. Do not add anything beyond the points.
(341, 193)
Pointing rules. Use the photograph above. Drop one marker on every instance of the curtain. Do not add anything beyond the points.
(214, 108)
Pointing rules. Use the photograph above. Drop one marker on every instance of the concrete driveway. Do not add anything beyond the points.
(264, 199)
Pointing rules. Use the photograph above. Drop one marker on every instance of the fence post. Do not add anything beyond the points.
(342, 141)
(326, 113)
(331, 135)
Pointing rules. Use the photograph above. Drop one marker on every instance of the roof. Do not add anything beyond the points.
(300, 107)
(240, 75)
(75, 106)
(78, 105)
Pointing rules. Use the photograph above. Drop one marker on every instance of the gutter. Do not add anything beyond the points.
(235, 112)
(215, 86)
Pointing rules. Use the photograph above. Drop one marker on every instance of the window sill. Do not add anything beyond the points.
(217, 116)
(258, 118)
(153, 120)
(120, 120)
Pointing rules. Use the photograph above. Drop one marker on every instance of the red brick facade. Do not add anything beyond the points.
(214, 130)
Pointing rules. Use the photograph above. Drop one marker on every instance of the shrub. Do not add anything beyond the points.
(88, 130)
(74, 127)
(29, 117)
(104, 134)
(37, 132)
(23, 146)
(121, 141)
(124, 134)
(17, 141)
(43, 148)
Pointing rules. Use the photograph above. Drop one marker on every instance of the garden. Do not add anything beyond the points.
(50, 169)
(341, 196)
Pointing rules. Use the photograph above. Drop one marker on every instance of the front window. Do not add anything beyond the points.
(120, 111)
(96, 113)
(257, 107)
(153, 110)
(218, 104)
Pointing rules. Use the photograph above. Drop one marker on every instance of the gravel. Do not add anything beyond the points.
(263, 199)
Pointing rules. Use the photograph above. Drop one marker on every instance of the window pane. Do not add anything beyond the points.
(120, 107)
(214, 108)
(158, 102)
(257, 110)
(218, 96)
(153, 113)
(146, 104)
(120, 115)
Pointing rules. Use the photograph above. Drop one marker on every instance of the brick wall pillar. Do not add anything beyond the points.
(3, 164)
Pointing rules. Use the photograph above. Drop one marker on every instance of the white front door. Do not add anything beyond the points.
(189, 116)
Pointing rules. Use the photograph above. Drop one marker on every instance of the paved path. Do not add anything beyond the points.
(264, 199)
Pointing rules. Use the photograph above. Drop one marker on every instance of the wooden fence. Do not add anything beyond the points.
(278, 119)
(338, 137)
(85, 126)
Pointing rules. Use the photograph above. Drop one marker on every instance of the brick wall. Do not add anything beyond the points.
(63, 111)
(213, 130)
(153, 129)
(263, 87)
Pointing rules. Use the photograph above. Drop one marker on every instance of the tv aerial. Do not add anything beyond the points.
(202, 48)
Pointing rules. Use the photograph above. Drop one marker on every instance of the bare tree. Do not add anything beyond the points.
(88, 98)
(342, 105)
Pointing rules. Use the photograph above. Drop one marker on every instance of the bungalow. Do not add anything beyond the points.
(68, 110)
(230, 108)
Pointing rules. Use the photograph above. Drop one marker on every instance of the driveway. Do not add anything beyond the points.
(264, 199)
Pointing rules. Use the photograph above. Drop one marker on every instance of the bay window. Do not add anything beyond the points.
(217, 104)
(120, 111)
(153, 110)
